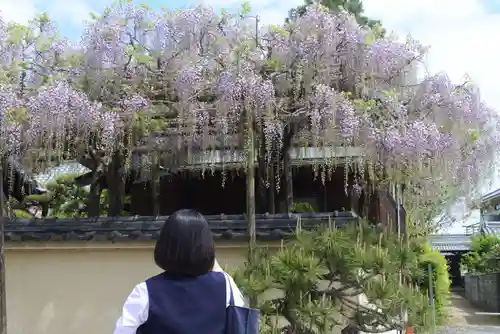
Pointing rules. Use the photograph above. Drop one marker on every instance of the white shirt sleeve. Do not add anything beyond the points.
(237, 295)
(135, 311)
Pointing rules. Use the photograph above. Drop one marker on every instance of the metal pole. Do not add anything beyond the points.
(398, 211)
(251, 168)
(251, 184)
(398, 227)
(251, 178)
(431, 297)
(252, 241)
(3, 297)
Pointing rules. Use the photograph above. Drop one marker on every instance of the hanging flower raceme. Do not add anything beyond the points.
(324, 64)
(135, 103)
(59, 114)
(447, 135)
(12, 115)
(323, 76)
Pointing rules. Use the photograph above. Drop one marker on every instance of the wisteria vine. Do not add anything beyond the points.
(198, 73)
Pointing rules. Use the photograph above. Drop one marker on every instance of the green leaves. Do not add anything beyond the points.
(440, 277)
(94, 16)
(138, 53)
(145, 6)
(296, 266)
(68, 199)
(319, 279)
(16, 115)
(246, 8)
(18, 33)
(484, 256)
(42, 18)
(273, 63)
(142, 58)
(473, 135)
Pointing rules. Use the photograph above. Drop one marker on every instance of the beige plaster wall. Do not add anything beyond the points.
(79, 288)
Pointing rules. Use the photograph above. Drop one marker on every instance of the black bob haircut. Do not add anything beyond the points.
(186, 245)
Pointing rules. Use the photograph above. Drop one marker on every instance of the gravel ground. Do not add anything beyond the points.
(463, 318)
(469, 330)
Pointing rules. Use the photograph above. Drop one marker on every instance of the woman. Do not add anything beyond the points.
(190, 296)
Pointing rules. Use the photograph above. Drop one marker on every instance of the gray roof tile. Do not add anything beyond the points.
(225, 227)
(53, 173)
(450, 242)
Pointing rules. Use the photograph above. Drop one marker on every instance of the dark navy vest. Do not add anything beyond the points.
(186, 305)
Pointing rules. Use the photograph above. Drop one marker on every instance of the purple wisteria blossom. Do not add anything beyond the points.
(322, 77)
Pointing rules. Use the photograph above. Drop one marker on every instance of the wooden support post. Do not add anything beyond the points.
(3, 296)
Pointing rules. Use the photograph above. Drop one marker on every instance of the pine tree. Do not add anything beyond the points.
(317, 281)
(355, 7)
(68, 199)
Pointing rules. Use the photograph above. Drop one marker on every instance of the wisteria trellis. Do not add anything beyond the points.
(321, 76)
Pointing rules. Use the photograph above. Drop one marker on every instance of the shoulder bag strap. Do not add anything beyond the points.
(231, 294)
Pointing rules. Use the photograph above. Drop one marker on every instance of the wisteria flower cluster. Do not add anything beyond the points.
(200, 74)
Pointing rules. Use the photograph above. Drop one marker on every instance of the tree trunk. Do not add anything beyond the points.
(94, 200)
(272, 170)
(287, 166)
(262, 176)
(116, 185)
(250, 192)
(45, 209)
(155, 186)
(271, 191)
(266, 180)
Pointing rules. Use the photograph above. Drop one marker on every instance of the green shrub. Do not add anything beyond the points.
(301, 207)
(68, 199)
(310, 283)
(440, 278)
(18, 213)
(484, 255)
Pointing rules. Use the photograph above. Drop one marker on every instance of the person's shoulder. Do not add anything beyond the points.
(218, 274)
(157, 277)
(218, 271)
(138, 299)
(140, 289)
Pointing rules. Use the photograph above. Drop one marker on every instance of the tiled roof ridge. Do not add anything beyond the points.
(225, 227)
